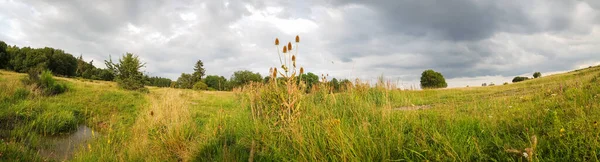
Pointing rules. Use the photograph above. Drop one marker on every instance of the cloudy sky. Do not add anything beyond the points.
(468, 41)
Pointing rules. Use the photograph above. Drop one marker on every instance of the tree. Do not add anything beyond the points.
(200, 86)
(62, 63)
(345, 84)
(432, 79)
(484, 84)
(127, 72)
(519, 78)
(241, 78)
(335, 84)
(4, 57)
(537, 75)
(185, 81)
(310, 79)
(198, 71)
(216, 82)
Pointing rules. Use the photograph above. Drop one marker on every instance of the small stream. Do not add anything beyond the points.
(63, 147)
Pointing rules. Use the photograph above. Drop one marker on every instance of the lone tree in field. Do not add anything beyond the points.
(537, 75)
(519, 78)
(127, 72)
(198, 72)
(432, 79)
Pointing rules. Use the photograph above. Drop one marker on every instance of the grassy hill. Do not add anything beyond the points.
(553, 118)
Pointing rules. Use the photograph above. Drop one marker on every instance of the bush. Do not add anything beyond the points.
(537, 75)
(505, 83)
(127, 71)
(45, 83)
(519, 78)
(200, 86)
(432, 79)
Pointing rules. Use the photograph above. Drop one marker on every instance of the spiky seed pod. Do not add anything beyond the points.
(284, 49)
(276, 41)
(274, 72)
(294, 58)
(290, 46)
(301, 69)
(297, 39)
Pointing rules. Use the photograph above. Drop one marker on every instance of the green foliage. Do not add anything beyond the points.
(62, 63)
(244, 77)
(432, 79)
(217, 82)
(310, 79)
(158, 81)
(537, 75)
(127, 71)
(198, 71)
(45, 83)
(519, 79)
(185, 81)
(335, 85)
(4, 57)
(200, 86)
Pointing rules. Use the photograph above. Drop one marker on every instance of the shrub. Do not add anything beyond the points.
(537, 75)
(44, 83)
(200, 86)
(519, 78)
(432, 79)
(505, 83)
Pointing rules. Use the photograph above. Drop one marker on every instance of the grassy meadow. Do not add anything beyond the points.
(553, 118)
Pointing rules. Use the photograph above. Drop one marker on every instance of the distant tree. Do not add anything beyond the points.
(216, 82)
(310, 79)
(240, 78)
(62, 63)
(491, 84)
(127, 72)
(198, 71)
(519, 78)
(505, 83)
(537, 75)
(484, 84)
(4, 57)
(335, 84)
(345, 85)
(200, 86)
(185, 81)
(432, 79)
(159, 81)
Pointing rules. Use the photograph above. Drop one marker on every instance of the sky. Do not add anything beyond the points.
(469, 41)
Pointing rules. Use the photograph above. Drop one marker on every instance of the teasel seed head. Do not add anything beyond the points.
(274, 72)
(297, 39)
(301, 69)
(276, 41)
(294, 58)
(284, 49)
(289, 46)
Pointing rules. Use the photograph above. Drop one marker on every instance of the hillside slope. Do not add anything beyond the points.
(553, 118)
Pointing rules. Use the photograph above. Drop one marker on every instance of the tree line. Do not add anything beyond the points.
(127, 71)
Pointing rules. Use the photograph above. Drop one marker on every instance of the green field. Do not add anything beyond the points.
(553, 118)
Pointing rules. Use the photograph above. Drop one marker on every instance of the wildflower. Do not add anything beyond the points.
(562, 130)
(297, 39)
(90, 147)
(276, 41)
(525, 155)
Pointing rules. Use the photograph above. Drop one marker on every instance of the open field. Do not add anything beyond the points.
(554, 118)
